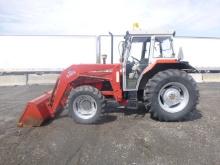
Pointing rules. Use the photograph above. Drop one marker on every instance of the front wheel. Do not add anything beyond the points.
(170, 95)
(85, 104)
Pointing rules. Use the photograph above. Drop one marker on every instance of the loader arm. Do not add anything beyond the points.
(48, 105)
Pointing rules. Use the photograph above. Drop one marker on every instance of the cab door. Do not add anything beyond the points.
(136, 60)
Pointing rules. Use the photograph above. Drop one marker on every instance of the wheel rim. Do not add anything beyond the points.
(85, 106)
(173, 97)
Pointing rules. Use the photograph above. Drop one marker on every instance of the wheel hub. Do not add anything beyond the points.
(171, 97)
(85, 106)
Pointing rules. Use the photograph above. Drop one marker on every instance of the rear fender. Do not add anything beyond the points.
(151, 70)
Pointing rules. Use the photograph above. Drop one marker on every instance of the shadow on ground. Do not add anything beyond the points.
(112, 108)
(142, 111)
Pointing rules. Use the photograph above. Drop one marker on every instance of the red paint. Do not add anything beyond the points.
(159, 61)
(46, 106)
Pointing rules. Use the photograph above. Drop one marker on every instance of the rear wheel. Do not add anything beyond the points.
(85, 104)
(170, 95)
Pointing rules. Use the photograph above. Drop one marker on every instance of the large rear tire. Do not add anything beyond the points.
(86, 104)
(170, 95)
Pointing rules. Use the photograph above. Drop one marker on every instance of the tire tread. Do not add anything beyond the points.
(151, 86)
(94, 91)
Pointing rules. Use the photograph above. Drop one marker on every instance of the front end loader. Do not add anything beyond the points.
(149, 72)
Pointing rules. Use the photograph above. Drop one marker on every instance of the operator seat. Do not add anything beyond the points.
(134, 70)
(143, 64)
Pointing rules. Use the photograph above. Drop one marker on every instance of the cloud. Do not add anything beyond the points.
(100, 16)
(186, 16)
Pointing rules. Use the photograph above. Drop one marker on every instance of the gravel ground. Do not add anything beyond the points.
(123, 136)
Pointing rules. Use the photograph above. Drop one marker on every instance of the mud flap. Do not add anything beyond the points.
(37, 111)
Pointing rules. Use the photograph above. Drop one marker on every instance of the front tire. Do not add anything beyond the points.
(86, 104)
(170, 95)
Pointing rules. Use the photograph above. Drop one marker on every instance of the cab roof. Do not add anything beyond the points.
(144, 33)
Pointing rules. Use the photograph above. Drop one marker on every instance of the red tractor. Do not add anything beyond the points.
(149, 72)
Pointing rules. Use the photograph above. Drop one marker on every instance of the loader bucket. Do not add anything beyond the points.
(36, 112)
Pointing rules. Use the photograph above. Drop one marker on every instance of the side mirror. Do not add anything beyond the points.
(121, 49)
(104, 57)
(180, 54)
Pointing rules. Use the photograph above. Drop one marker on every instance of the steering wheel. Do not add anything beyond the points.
(135, 59)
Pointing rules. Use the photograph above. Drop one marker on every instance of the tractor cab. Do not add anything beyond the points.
(141, 49)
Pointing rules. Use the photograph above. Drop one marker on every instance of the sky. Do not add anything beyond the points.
(94, 17)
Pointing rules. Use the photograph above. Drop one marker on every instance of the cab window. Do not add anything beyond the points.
(163, 48)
